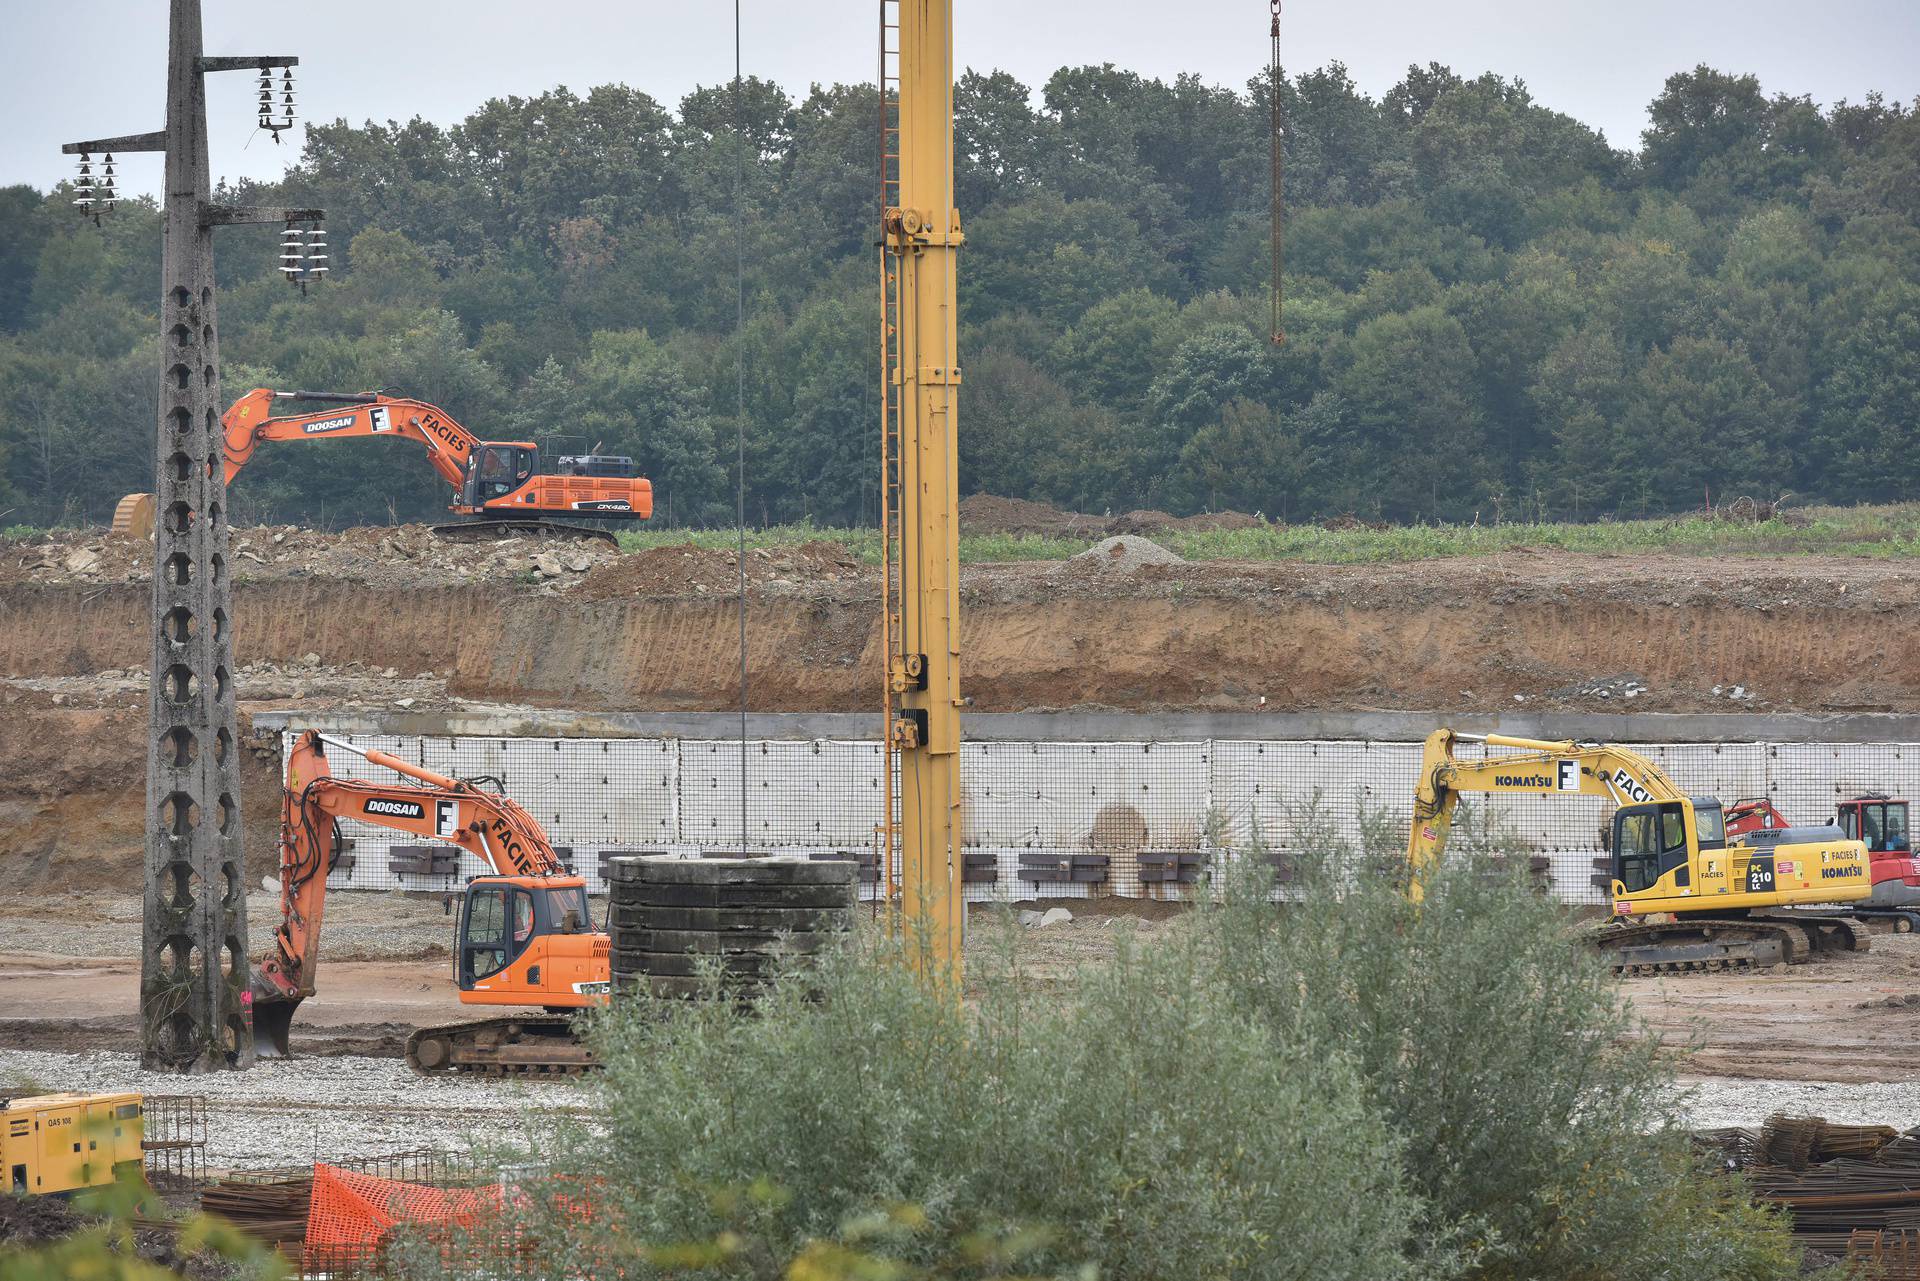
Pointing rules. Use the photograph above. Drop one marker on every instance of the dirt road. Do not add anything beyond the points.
(1851, 1018)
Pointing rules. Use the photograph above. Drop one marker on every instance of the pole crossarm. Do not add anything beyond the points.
(237, 63)
(155, 141)
(237, 215)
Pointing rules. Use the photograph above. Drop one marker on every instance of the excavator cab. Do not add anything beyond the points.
(526, 941)
(1877, 820)
(495, 471)
(1650, 841)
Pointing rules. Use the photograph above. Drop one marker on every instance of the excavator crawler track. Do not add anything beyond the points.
(519, 1045)
(1756, 941)
(477, 531)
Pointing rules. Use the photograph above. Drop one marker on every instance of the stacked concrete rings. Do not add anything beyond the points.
(675, 922)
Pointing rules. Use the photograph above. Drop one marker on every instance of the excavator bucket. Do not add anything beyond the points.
(272, 1021)
(133, 516)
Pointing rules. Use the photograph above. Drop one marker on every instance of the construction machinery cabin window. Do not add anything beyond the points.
(496, 928)
(1882, 825)
(1709, 825)
(573, 900)
(1648, 841)
(504, 468)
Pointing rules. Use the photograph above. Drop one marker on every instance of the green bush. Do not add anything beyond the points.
(1343, 1085)
(1137, 1125)
(1536, 1126)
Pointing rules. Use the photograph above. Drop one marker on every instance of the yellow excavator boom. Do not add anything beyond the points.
(921, 369)
(1536, 765)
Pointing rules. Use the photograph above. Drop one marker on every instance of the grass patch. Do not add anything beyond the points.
(1885, 532)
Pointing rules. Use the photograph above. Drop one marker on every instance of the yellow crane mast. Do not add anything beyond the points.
(920, 376)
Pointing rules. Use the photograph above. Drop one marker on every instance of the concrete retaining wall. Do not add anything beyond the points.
(1050, 795)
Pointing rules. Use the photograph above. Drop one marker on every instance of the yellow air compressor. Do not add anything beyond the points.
(55, 1143)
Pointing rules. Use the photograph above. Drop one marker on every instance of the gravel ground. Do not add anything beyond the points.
(340, 1107)
(1716, 1102)
(290, 1111)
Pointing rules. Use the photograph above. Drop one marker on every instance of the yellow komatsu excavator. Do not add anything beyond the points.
(1683, 896)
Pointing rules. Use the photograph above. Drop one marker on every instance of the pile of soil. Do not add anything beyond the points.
(35, 1219)
(1158, 523)
(991, 514)
(672, 571)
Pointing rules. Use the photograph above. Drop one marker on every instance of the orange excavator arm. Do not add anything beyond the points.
(495, 479)
(490, 826)
(251, 420)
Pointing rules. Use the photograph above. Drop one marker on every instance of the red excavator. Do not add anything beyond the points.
(1872, 817)
(498, 485)
(525, 936)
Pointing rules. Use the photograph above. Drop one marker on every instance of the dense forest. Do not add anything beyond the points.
(1491, 311)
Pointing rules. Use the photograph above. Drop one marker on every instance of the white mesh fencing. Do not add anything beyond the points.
(1113, 807)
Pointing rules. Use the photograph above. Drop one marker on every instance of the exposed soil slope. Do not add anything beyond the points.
(391, 618)
(658, 629)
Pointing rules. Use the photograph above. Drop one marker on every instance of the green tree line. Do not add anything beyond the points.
(1491, 310)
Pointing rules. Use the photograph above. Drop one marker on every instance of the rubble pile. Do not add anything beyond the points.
(1617, 688)
(1122, 554)
(392, 555)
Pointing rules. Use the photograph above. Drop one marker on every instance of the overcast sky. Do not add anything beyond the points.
(88, 68)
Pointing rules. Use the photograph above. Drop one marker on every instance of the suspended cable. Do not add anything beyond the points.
(1277, 131)
(740, 399)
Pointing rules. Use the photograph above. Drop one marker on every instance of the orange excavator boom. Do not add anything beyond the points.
(497, 479)
(434, 807)
(251, 420)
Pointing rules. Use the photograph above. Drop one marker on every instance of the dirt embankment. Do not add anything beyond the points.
(73, 800)
(338, 626)
(658, 630)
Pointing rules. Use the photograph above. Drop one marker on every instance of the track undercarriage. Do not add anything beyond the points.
(489, 528)
(512, 1045)
(1758, 940)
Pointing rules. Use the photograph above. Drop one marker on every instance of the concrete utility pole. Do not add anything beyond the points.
(196, 1011)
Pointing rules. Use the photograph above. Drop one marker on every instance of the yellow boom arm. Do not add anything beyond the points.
(1676, 857)
(1595, 769)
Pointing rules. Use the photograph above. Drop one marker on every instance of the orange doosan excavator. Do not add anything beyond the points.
(496, 484)
(525, 935)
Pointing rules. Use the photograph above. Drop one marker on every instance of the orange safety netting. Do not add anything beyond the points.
(351, 1214)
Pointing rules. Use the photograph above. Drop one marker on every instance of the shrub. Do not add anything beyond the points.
(1536, 1126)
(1135, 1124)
(1343, 1086)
